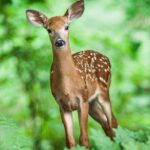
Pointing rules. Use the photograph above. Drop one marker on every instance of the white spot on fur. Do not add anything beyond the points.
(105, 62)
(102, 80)
(105, 70)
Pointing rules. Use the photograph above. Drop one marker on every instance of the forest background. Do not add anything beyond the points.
(29, 114)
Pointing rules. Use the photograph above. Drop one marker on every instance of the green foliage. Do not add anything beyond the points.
(116, 28)
(125, 139)
(76, 148)
(11, 137)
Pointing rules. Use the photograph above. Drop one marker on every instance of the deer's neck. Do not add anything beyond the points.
(63, 62)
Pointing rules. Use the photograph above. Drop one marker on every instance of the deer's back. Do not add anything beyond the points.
(93, 66)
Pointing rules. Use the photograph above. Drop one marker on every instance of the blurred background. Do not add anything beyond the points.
(118, 29)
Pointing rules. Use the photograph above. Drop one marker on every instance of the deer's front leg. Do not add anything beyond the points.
(68, 125)
(83, 120)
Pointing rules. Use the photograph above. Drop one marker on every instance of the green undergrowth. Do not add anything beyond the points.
(11, 137)
(125, 140)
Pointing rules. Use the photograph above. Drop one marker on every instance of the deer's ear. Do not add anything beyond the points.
(75, 10)
(36, 18)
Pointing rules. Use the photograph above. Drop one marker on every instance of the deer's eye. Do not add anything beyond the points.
(67, 27)
(49, 31)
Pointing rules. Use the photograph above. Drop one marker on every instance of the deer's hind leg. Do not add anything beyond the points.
(97, 113)
(104, 102)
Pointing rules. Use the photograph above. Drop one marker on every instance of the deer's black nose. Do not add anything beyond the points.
(59, 43)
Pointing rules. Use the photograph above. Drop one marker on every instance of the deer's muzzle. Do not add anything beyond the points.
(60, 43)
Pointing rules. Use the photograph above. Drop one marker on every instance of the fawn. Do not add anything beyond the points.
(80, 81)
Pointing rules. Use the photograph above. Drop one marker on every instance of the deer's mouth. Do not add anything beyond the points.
(60, 43)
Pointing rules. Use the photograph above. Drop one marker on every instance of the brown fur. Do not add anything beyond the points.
(80, 81)
(56, 23)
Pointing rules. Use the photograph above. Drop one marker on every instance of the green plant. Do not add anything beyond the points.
(11, 137)
(125, 140)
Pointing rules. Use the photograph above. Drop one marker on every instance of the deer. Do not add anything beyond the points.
(79, 81)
